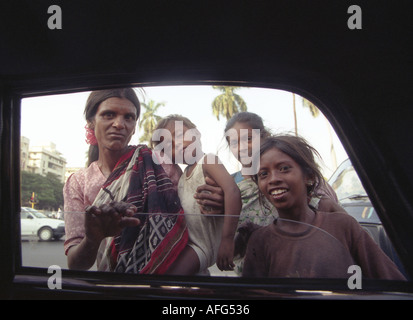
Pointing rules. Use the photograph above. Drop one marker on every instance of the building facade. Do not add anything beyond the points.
(42, 159)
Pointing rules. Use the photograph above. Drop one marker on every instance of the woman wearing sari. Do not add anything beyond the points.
(112, 206)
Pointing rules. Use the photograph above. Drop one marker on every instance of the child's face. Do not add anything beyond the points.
(281, 180)
(178, 143)
(241, 140)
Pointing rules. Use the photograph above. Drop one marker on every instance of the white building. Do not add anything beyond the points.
(24, 153)
(44, 159)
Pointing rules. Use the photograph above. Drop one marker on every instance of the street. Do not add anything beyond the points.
(43, 254)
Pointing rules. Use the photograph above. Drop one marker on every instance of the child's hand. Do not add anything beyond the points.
(226, 255)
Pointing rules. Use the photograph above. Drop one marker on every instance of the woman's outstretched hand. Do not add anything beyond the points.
(108, 220)
(104, 221)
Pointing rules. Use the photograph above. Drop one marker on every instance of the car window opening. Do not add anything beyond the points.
(177, 123)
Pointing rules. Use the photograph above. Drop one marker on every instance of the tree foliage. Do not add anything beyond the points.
(315, 112)
(228, 103)
(48, 190)
(313, 109)
(149, 119)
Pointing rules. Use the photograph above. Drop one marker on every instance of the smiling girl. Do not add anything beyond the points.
(304, 242)
(244, 132)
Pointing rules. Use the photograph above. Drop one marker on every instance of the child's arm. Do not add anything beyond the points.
(233, 206)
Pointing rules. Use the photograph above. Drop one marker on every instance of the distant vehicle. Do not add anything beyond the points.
(35, 223)
(354, 199)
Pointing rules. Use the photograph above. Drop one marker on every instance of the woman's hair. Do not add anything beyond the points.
(163, 123)
(93, 102)
(302, 153)
(251, 119)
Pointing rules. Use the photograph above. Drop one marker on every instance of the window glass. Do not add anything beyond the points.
(54, 146)
(348, 185)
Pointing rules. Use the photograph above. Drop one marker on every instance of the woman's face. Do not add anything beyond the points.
(241, 139)
(281, 180)
(114, 123)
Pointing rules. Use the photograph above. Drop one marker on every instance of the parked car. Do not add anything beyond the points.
(354, 199)
(35, 223)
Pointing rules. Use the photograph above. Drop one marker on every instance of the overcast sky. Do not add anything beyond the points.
(59, 119)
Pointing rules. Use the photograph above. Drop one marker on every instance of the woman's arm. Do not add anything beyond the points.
(106, 221)
(83, 255)
(74, 208)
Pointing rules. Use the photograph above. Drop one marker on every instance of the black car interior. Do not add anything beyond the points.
(359, 78)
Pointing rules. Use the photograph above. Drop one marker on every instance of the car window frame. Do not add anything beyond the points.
(148, 281)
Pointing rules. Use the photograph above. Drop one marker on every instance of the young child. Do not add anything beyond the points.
(304, 242)
(211, 239)
(243, 133)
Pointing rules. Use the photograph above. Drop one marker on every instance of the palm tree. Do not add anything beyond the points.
(149, 119)
(316, 112)
(295, 116)
(313, 109)
(306, 103)
(228, 103)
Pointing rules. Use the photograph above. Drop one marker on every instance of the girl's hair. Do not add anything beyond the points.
(302, 153)
(162, 124)
(93, 102)
(252, 119)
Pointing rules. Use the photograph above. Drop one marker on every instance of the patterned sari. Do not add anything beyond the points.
(152, 246)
